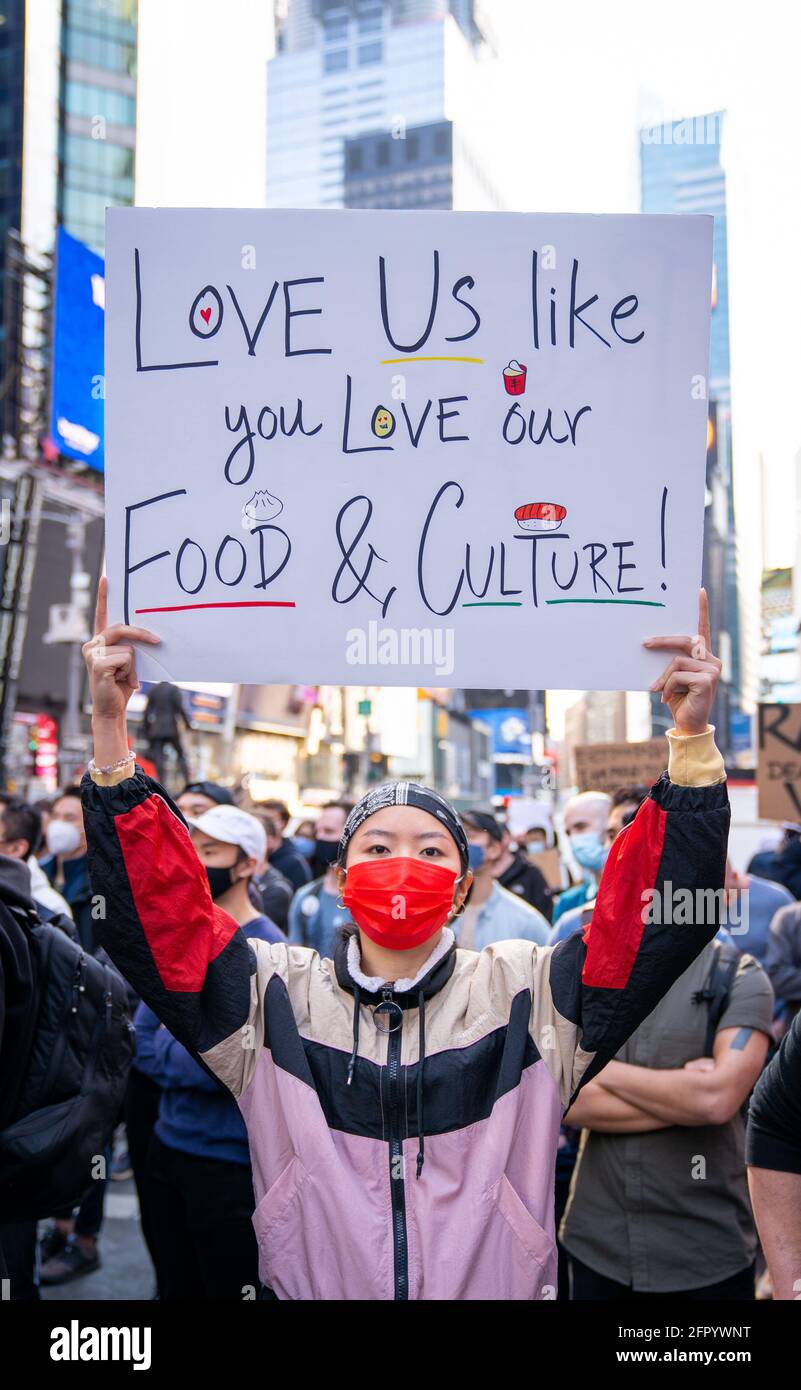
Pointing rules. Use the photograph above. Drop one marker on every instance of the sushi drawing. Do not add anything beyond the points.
(540, 516)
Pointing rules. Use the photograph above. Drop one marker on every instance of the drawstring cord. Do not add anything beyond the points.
(357, 1008)
(421, 1151)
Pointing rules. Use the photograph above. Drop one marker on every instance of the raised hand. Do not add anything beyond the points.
(689, 682)
(110, 662)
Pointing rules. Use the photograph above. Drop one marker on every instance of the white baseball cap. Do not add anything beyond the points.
(234, 827)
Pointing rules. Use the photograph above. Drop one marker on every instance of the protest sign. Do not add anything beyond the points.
(779, 762)
(400, 448)
(549, 863)
(604, 767)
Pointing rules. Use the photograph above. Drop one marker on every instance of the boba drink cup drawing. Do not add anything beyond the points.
(514, 377)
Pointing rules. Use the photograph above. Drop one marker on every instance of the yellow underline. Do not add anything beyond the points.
(386, 361)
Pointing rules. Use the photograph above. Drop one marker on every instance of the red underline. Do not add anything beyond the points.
(249, 603)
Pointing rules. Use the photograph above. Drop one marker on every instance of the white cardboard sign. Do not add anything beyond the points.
(401, 448)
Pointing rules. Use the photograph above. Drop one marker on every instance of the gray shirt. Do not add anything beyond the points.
(668, 1211)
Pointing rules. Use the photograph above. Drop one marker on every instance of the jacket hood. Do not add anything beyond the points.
(435, 975)
(15, 883)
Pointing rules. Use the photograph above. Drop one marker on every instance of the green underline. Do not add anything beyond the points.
(513, 604)
(636, 602)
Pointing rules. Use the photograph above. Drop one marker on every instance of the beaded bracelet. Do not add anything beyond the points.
(111, 767)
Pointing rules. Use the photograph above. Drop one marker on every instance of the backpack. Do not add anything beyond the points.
(717, 992)
(79, 1046)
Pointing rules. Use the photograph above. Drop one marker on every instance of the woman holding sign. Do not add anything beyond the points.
(402, 1100)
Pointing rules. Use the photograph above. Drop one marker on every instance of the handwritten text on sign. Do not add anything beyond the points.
(779, 762)
(386, 448)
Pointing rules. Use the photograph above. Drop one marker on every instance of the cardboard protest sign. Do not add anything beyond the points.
(604, 767)
(549, 863)
(779, 762)
(399, 448)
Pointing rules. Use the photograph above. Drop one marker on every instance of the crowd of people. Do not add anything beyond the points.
(377, 1055)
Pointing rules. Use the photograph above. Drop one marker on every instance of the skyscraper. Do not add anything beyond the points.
(97, 126)
(67, 137)
(351, 76)
(682, 172)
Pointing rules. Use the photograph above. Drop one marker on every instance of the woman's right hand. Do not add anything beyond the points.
(110, 663)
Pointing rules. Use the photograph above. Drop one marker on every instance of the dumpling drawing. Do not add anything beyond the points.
(261, 507)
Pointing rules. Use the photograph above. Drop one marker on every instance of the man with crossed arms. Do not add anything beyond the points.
(659, 1201)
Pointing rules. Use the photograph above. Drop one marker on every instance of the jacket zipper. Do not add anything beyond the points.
(396, 1180)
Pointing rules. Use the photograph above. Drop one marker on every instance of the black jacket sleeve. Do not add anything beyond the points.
(773, 1137)
(659, 903)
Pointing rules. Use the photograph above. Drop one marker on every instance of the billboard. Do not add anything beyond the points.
(76, 406)
(511, 733)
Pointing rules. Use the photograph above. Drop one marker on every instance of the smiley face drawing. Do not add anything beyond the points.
(383, 422)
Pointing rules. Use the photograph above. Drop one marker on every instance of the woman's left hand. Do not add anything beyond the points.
(689, 682)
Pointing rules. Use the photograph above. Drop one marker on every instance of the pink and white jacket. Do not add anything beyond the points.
(416, 1163)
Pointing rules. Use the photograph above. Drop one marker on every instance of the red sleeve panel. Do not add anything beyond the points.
(183, 955)
(614, 935)
(184, 929)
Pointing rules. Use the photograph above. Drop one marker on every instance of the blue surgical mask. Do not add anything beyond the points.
(589, 851)
(536, 847)
(303, 845)
(476, 856)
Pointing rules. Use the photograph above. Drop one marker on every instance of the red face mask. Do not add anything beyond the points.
(399, 903)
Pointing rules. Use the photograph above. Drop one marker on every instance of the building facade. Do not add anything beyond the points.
(97, 127)
(400, 71)
(67, 143)
(682, 171)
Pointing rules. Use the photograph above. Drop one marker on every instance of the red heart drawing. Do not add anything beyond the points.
(205, 314)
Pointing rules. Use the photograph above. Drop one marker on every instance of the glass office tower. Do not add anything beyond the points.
(98, 114)
(408, 71)
(682, 172)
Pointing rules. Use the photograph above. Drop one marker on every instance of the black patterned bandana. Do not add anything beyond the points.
(404, 794)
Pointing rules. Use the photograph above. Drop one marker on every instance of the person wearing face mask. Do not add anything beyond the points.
(65, 864)
(231, 844)
(516, 872)
(196, 1182)
(21, 836)
(285, 857)
(303, 838)
(316, 914)
(623, 806)
(585, 819)
(269, 891)
(492, 912)
(402, 1099)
